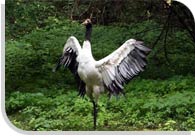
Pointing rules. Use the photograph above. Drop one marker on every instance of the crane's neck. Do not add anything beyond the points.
(88, 32)
(86, 53)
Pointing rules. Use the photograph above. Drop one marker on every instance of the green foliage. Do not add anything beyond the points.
(24, 16)
(146, 106)
(35, 54)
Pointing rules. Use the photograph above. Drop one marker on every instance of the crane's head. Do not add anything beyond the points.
(88, 25)
(87, 22)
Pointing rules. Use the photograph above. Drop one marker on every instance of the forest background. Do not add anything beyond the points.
(160, 98)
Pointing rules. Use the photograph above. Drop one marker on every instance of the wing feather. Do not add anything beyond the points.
(122, 65)
(70, 52)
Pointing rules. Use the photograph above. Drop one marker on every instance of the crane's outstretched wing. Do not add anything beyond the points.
(122, 65)
(71, 50)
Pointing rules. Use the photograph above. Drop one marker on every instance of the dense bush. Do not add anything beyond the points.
(24, 16)
(35, 54)
(148, 104)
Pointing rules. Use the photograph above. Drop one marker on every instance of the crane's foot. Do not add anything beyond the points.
(95, 111)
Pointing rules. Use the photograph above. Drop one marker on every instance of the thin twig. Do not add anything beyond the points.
(87, 9)
(181, 20)
(165, 39)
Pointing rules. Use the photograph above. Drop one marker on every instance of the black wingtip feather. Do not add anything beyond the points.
(68, 59)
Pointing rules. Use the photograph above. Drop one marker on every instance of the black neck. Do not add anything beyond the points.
(88, 32)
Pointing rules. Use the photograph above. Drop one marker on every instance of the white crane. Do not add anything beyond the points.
(109, 73)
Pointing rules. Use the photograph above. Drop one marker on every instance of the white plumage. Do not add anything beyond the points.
(110, 73)
(97, 74)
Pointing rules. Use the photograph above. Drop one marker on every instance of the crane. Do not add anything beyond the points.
(110, 73)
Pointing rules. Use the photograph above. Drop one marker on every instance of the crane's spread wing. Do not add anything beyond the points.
(71, 50)
(122, 65)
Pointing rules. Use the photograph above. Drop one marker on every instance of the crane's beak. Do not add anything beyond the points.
(85, 22)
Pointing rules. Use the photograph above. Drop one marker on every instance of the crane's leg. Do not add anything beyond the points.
(93, 95)
(95, 110)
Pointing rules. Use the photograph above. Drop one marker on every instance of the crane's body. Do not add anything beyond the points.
(89, 73)
(110, 73)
